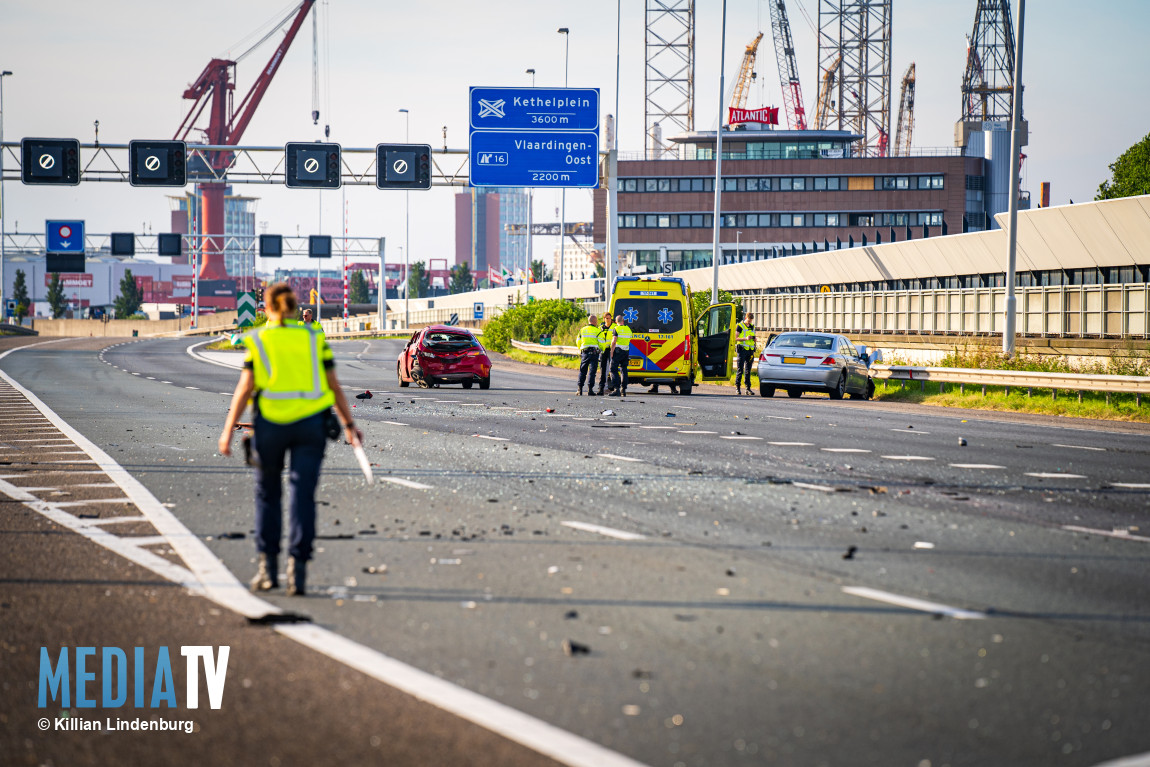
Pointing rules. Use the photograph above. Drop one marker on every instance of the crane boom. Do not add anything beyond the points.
(823, 109)
(788, 70)
(742, 87)
(904, 132)
(213, 90)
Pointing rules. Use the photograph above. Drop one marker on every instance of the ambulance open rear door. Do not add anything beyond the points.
(715, 331)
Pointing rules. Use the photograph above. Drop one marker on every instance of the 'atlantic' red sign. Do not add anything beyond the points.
(767, 115)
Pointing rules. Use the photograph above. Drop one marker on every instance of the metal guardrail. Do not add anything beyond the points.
(1020, 379)
(572, 351)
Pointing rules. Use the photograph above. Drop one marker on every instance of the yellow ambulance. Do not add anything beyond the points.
(669, 346)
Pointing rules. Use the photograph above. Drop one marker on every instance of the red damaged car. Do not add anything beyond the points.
(442, 354)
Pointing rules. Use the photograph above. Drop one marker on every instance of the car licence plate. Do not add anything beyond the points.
(795, 360)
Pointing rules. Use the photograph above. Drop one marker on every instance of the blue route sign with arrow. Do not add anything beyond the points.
(64, 237)
(534, 137)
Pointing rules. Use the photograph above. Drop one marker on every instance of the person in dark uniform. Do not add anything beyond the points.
(289, 368)
(620, 357)
(589, 351)
(605, 354)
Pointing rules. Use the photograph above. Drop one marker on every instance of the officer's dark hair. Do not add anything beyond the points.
(281, 299)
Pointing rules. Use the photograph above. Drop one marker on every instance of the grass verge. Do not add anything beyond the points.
(550, 360)
(1121, 407)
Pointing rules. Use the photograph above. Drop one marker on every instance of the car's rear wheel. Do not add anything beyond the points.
(840, 388)
(467, 384)
(686, 386)
(766, 391)
(485, 383)
(794, 393)
(402, 383)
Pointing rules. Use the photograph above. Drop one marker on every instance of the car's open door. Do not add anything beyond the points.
(716, 338)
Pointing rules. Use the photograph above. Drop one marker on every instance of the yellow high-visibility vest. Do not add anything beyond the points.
(589, 337)
(622, 336)
(288, 366)
(745, 336)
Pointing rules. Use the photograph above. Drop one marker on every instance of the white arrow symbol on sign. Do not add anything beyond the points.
(47, 161)
(152, 162)
(399, 166)
(311, 165)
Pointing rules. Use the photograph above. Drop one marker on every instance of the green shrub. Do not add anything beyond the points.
(527, 322)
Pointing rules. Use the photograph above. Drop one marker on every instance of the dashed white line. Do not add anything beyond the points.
(488, 436)
(843, 450)
(738, 436)
(910, 431)
(1054, 475)
(1125, 535)
(683, 431)
(779, 417)
(977, 466)
(195, 388)
(394, 423)
(620, 457)
(1081, 447)
(405, 483)
(812, 486)
(792, 444)
(1131, 485)
(908, 458)
(934, 608)
(672, 428)
(610, 532)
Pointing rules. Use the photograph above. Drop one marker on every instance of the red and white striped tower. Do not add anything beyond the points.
(345, 265)
(196, 244)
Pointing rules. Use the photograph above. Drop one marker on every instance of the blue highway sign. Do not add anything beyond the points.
(477, 311)
(64, 237)
(553, 158)
(519, 109)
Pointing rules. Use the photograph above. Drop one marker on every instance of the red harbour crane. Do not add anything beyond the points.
(213, 90)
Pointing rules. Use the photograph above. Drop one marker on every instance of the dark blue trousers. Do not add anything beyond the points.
(588, 362)
(305, 440)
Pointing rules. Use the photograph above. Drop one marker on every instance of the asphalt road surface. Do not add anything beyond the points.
(686, 580)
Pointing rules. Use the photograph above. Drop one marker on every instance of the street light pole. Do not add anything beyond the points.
(3, 210)
(718, 167)
(563, 216)
(1015, 152)
(738, 251)
(530, 233)
(406, 233)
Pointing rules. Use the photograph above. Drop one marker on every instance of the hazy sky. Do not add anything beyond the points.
(126, 64)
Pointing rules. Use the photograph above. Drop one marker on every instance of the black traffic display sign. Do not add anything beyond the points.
(403, 166)
(312, 165)
(50, 161)
(157, 163)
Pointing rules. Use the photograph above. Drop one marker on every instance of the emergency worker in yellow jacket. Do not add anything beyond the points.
(620, 357)
(745, 348)
(289, 369)
(589, 350)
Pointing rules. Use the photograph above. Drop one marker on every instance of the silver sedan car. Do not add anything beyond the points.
(804, 361)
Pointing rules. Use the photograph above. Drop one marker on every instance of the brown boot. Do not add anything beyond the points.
(266, 573)
(296, 577)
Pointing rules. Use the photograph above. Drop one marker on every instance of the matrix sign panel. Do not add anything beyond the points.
(403, 166)
(50, 161)
(312, 166)
(157, 163)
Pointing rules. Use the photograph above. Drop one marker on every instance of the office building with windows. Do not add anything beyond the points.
(239, 228)
(786, 192)
(491, 229)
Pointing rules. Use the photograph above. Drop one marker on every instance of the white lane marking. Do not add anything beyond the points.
(488, 436)
(625, 423)
(681, 431)
(659, 427)
(539, 736)
(194, 388)
(1081, 447)
(69, 504)
(500, 407)
(908, 431)
(146, 540)
(394, 423)
(1125, 535)
(113, 520)
(923, 545)
(1131, 485)
(210, 577)
(448, 401)
(527, 412)
(475, 404)
(1054, 475)
(977, 466)
(166, 382)
(779, 417)
(202, 358)
(405, 483)
(610, 532)
(136, 374)
(843, 450)
(620, 457)
(907, 458)
(811, 486)
(792, 444)
(1136, 760)
(915, 604)
(739, 436)
(151, 378)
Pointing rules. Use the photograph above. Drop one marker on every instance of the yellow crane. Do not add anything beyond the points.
(747, 74)
(905, 130)
(823, 111)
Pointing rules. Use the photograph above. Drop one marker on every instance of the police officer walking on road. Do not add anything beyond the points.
(620, 357)
(745, 346)
(289, 368)
(588, 342)
(604, 352)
